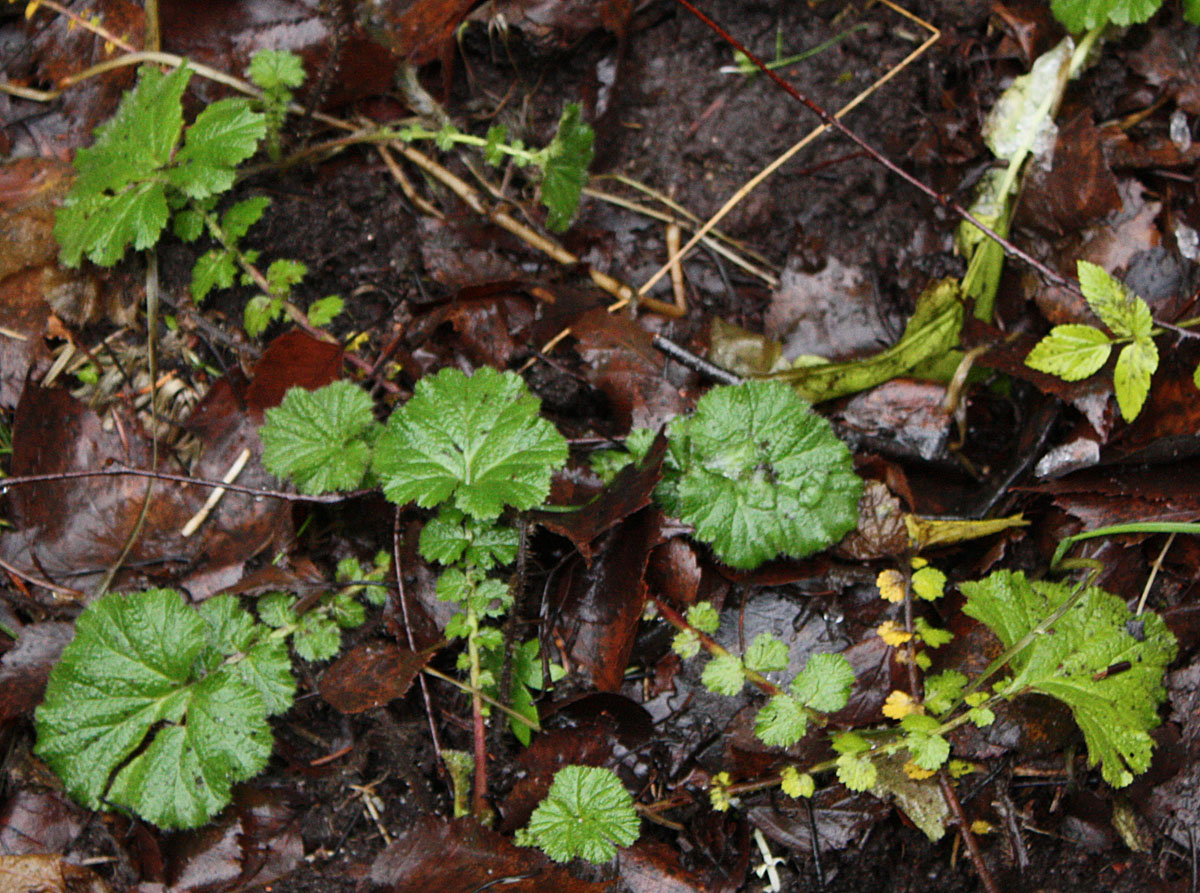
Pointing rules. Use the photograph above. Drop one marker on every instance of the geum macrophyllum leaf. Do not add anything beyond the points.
(1084, 15)
(476, 441)
(1116, 711)
(224, 135)
(762, 475)
(319, 438)
(587, 813)
(140, 663)
(1072, 352)
(565, 168)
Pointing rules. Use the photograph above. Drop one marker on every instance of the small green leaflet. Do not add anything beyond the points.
(476, 441)
(766, 654)
(224, 135)
(451, 536)
(928, 748)
(796, 783)
(1131, 377)
(266, 667)
(825, 682)
(1072, 352)
(704, 617)
(319, 438)
(565, 164)
(587, 813)
(1115, 711)
(724, 675)
(760, 475)
(1118, 308)
(272, 69)
(137, 665)
(323, 311)
(1084, 15)
(856, 772)
(942, 690)
(781, 722)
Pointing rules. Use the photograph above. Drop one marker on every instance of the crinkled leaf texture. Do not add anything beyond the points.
(142, 712)
(759, 475)
(319, 438)
(587, 813)
(476, 441)
(566, 168)
(1083, 15)
(1115, 711)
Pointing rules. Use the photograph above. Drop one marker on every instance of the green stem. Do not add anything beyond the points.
(1117, 529)
(479, 795)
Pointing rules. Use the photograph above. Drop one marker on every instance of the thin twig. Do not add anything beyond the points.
(968, 838)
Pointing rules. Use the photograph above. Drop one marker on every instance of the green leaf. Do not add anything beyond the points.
(1115, 711)
(322, 312)
(103, 227)
(282, 275)
(346, 611)
(1191, 12)
(493, 154)
(931, 635)
(857, 773)
(686, 643)
(476, 441)
(451, 536)
(704, 617)
(564, 168)
(1084, 15)
(760, 475)
(319, 438)
(928, 583)
(272, 69)
(275, 609)
(587, 813)
(213, 269)
(1131, 378)
(766, 654)
(224, 135)
(825, 682)
(928, 749)
(942, 690)
(1120, 309)
(850, 743)
(1072, 352)
(781, 722)
(236, 222)
(188, 224)
(317, 636)
(260, 312)
(135, 667)
(724, 675)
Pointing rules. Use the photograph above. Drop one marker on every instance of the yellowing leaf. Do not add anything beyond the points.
(1131, 378)
(916, 773)
(899, 704)
(892, 633)
(891, 585)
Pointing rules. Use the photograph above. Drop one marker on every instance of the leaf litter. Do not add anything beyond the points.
(596, 577)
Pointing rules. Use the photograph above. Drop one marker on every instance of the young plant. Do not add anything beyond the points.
(756, 472)
(159, 708)
(587, 814)
(563, 163)
(1076, 351)
(145, 169)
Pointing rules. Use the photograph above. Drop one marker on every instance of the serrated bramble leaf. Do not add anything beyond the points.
(781, 722)
(982, 717)
(451, 536)
(825, 682)
(213, 269)
(1136, 364)
(323, 311)
(943, 689)
(565, 168)
(1127, 315)
(236, 222)
(132, 669)
(496, 136)
(477, 441)
(272, 69)
(224, 135)
(103, 227)
(931, 635)
(762, 475)
(1071, 352)
(319, 438)
(260, 312)
(187, 224)
(724, 675)
(704, 617)
(587, 813)
(1114, 711)
(276, 609)
(317, 637)
(346, 611)
(282, 275)
(929, 751)
(766, 654)
(1084, 15)
(857, 773)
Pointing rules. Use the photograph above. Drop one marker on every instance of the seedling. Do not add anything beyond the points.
(1076, 351)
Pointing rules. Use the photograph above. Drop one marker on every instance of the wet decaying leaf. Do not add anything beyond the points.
(439, 854)
(24, 669)
(34, 822)
(370, 675)
(48, 874)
